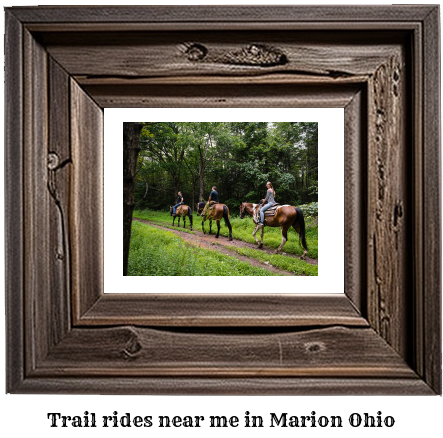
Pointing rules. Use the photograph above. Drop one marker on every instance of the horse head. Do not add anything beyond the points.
(242, 210)
(199, 207)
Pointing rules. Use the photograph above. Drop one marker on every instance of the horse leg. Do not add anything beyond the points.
(284, 238)
(184, 221)
(173, 221)
(218, 228)
(210, 227)
(260, 245)
(178, 223)
(203, 226)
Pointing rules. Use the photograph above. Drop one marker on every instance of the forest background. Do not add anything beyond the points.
(237, 157)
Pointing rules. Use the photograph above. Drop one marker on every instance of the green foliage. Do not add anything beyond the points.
(233, 206)
(158, 252)
(285, 181)
(286, 193)
(238, 157)
(310, 209)
(242, 230)
(314, 189)
(291, 264)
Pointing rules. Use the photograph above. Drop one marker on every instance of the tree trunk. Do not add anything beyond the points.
(201, 177)
(131, 148)
(194, 180)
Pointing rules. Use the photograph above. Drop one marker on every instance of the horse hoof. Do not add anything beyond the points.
(260, 246)
(216, 237)
(230, 238)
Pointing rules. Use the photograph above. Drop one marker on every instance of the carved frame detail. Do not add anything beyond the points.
(64, 65)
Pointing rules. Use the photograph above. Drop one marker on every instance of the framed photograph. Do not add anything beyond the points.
(380, 333)
(243, 157)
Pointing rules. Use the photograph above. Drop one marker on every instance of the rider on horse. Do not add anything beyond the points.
(270, 202)
(179, 202)
(213, 199)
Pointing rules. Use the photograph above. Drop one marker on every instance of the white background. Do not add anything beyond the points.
(331, 198)
(25, 415)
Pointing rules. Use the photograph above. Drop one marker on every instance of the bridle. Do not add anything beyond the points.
(242, 211)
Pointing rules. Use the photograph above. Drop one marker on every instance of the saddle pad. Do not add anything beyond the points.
(272, 210)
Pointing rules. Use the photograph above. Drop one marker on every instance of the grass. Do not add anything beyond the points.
(291, 264)
(159, 252)
(242, 230)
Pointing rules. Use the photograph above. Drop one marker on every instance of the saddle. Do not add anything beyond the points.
(269, 212)
(211, 206)
(177, 211)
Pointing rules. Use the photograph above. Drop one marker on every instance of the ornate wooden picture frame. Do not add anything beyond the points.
(64, 65)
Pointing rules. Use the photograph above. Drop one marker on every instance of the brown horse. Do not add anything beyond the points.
(215, 212)
(285, 217)
(182, 211)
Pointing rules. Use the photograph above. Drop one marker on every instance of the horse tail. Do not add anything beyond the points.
(225, 212)
(227, 222)
(301, 222)
(190, 215)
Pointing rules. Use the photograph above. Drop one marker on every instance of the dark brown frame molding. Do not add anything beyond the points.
(64, 65)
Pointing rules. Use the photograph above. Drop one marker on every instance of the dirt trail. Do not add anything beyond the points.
(223, 245)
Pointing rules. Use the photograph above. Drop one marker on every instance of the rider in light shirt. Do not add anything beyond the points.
(270, 202)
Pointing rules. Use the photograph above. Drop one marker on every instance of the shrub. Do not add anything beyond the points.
(310, 209)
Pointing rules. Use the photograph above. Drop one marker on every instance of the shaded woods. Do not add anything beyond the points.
(237, 157)
(160, 159)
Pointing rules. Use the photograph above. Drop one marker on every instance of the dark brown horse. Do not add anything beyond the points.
(182, 211)
(285, 217)
(215, 213)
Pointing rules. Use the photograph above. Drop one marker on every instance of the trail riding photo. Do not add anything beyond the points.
(253, 175)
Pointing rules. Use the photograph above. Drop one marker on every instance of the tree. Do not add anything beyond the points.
(238, 157)
(301, 140)
(131, 148)
(162, 143)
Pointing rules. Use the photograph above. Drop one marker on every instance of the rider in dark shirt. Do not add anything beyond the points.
(179, 202)
(213, 199)
(213, 196)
